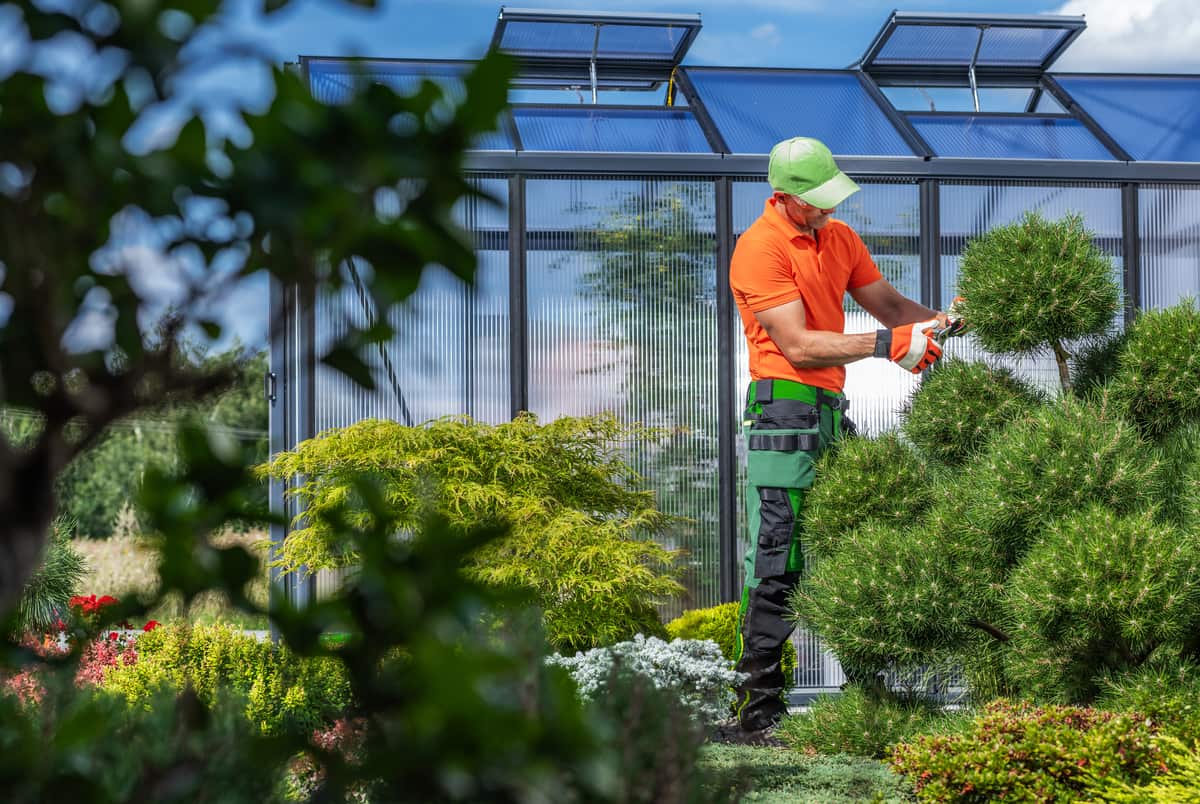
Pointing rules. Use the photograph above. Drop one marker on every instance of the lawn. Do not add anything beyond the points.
(781, 775)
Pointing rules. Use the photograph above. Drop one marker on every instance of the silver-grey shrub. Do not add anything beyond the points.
(693, 669)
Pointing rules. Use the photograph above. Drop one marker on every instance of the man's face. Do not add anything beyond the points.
(804, 214)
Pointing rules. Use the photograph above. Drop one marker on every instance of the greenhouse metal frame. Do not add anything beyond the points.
(696, 157)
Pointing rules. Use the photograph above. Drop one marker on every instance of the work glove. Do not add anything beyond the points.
(910, 346)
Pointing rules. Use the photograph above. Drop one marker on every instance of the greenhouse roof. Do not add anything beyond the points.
(944, 94)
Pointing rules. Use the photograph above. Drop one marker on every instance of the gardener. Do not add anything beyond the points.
(789, 275)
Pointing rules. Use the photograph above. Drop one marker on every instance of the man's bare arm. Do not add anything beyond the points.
(892, 309)
(811, 348)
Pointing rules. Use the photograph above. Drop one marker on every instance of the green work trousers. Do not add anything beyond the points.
(787, 426)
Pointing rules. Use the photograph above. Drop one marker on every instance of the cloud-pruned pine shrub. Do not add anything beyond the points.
(1036, 285)
(581, 528)
(864, 480)
(1157, 382)
(1095, 363)
(719, 624)
(1099, 590)
(961, 405)
(1060, 459)
(894, 596)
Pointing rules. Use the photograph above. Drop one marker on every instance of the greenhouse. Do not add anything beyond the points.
(624, 177)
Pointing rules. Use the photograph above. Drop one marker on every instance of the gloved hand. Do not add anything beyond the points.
(910, 346)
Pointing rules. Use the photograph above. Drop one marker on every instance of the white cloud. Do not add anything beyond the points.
(1134, 36)
(736, 48)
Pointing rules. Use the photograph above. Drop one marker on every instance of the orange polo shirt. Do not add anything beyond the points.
(774, 264)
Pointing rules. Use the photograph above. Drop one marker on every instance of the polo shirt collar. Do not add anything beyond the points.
(781, 223)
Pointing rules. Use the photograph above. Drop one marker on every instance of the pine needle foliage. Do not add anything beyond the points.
(1061, 458)
(1157, 383)
(1095, 363)
(865, 480)
(1035, 285)
(44, 599)
(890, 596)
(580, 525)
(1099, 592)
(961, 405)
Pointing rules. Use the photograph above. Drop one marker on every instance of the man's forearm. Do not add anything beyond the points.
(816, 348)
(908, 311)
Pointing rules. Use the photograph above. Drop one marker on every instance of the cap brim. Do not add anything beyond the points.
(831, 193)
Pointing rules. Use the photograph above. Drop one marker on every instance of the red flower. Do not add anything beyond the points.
(107, 600)
(113, 635)
(150, 626)
(60, 625)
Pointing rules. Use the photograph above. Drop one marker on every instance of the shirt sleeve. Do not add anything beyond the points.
(863, 271)
(760, 276)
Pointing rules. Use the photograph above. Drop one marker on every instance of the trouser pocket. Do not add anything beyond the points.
(779, 466)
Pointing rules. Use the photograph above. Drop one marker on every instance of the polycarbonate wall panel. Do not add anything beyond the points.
(1154, 118)
(592, 128)
(968, 210)
(755, 109)
(450, 354)
(621, 277)
(1169, 222)
(1002, 137)
(334, 81)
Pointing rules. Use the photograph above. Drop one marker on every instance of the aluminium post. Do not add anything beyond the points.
(1131, 237)
(727, 414)
(518, 303)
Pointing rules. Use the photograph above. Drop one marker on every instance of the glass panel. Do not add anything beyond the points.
(1154, 118)
(887, 216)
(333, 81)
(622, 317)
(1008, 137)
(565, 39)
(957, 99)
(592, 128)
(577, 40)
(754, 110)
(1018, 46)
(640, 41)
(450, 352)
(1169, 222)
(968, 210)
(932, 44)
(955, 44)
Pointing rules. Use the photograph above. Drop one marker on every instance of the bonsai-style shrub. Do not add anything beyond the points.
(961, 405)
(1099, 590)
(891, 596)
(1035, 285)
(863, 480)
(1060, 459)
(1157, 382)
(580, 527)
(719, 624)
(1095, 363)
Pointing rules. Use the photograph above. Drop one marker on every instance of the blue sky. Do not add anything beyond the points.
(1122, 35)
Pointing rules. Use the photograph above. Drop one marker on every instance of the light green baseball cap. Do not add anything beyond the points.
(804, 167)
